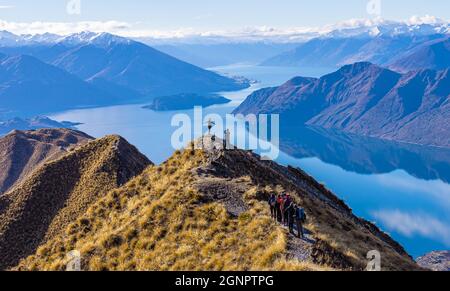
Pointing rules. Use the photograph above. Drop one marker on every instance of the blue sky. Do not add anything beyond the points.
(215, 14)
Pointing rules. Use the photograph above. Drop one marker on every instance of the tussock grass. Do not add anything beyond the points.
(61, 190)
(158, 222)
(164, 220)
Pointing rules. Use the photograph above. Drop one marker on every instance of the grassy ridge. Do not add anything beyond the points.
(60, 191)
(205, 210)
(159, 222)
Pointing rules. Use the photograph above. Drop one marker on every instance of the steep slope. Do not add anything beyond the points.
(29, 86)
(60, 191)
(206, 210)
(135, 66)
(22, 152)
(365, 99)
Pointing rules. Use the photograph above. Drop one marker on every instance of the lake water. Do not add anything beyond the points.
(403, 188)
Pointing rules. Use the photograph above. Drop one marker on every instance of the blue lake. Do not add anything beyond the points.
(404, 189)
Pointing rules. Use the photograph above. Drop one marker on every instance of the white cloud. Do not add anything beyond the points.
(404, 183)
(413, 224)
(6, 6)
(63, 28)
(353, 26)
(427, 19)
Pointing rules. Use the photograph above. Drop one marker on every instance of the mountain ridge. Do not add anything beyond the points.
(365, 99)
(401, 52)
(41, 207)
(22, 152)
(207, 210)
(31, 86)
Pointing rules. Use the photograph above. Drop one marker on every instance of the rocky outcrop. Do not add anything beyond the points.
(436, 261)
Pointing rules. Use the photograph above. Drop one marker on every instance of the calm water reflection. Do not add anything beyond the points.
(403, 188)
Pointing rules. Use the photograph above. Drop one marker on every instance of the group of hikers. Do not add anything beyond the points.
(285, 211)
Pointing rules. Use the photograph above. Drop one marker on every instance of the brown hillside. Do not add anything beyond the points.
(56, 194)
(22, 152)
(207, 211)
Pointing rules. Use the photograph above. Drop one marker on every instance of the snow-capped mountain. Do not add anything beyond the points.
(416, 26)
(8, 39)
(92, 69)
(387, 28)
(98, 39)
(377, 41)
(45, 38)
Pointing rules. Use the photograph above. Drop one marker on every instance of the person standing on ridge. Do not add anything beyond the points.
(291, 217)
(272, 204)
(287, 211)
(286, 204)
(210, 125)
(278, 208)
(300, 219)
(282, 207)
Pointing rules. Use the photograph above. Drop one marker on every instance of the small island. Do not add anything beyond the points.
(185, 101)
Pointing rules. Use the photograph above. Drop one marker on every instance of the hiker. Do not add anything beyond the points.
(300, 219)
(282, 206)
(291, 213)
(286, 204)
(278, 208)
(288, 212)
(210, 125)
(272, 204)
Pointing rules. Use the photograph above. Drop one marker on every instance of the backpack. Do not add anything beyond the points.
(272, 201)
(302, 215)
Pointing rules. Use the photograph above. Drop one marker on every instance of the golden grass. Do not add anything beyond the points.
(157, 222)
(349, 238)
(61, 190)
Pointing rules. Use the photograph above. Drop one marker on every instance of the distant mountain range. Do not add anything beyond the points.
(431, 55)
(222, 54)
(365, 99)
(402, 52)
(89, 69)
